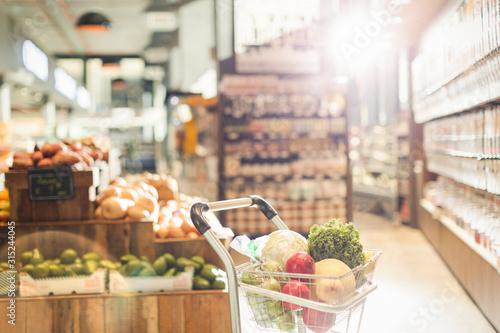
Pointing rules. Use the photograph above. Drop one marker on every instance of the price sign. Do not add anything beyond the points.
(51, 184)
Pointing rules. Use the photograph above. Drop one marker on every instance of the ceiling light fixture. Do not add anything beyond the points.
(93, 22)
(111, 62)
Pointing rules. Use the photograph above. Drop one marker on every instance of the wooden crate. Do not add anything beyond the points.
(108, 238)
(179, 312)
(81, 207)
(190, 247)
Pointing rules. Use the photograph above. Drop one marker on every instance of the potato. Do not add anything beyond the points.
(98, 213)
(111, 191)
(51, 149)
(96, 154)
(114, 208)
(66, 158)
(163, 231)
(21, 163)
(76, 146)
(118, 181)
(147, 202)
(129, 193)
(153, 192)
(45, 163)
(86, 157)
(137, 213)
(37, 157)
(175, 225)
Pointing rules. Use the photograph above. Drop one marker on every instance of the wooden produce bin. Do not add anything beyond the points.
(185, 247)
(110, 239)
(80, 207)
(179, 312)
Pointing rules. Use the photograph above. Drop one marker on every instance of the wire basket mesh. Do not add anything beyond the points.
(303, 302)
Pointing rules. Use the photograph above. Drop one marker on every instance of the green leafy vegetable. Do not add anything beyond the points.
(337, 241)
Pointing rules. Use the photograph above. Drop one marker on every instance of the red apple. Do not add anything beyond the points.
(295, 288)
(301, 263)
(318, 321)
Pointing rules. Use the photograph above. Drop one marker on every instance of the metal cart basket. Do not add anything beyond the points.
(318, 304)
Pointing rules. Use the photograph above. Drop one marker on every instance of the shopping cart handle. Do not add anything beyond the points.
(263, 206)
(197, 210)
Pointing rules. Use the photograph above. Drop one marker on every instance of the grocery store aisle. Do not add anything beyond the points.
(416, 291)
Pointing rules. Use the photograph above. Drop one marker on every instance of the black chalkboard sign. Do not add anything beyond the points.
(51, 184)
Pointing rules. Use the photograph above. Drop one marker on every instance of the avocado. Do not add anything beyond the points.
(37, 257)
(4, 265)
(90, 266)
(218, 284)
(160, 265)
(183, 262)
(209, 273)
(47, 262)
(28, 268)
(40, 271)
(56, 261)
(26, 257)
(78, 269)
(69, 272)
(144, 258)
(133, 267)
(171, 272)
(91, 256)
(127, 258)
(78, 261)
(147, 272)
(200, 283)
(117, 264)
(198, 259)
(56, 270)
(68, 256)
(171, 262)
(107, 264)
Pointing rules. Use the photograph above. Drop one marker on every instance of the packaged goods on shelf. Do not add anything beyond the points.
(287, 145)
(474, 212)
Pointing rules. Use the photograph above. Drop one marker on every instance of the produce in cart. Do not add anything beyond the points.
(314, 269)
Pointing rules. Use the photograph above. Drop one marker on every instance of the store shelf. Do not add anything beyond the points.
(4, 298)
(477, 276)
(460, 233)
(141, 312)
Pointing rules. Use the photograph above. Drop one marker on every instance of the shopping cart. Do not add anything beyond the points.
(326, 304)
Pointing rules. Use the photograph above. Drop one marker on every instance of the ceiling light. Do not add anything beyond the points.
(110, 62)
(93, 22)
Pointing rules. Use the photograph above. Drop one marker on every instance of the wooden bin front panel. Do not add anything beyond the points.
(109, 239)
(191, 312)
(81, 207)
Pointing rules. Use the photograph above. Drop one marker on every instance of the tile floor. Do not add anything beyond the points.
(416, 292)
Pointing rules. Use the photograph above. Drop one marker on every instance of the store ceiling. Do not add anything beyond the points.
(51, 25)
(415, 16)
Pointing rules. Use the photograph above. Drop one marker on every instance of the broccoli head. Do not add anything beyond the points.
(337, 241)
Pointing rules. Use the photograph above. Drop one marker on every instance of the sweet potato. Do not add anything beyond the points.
(66, 158)
(37, 157)
(21, 163)
(45, 163)
(51, 149)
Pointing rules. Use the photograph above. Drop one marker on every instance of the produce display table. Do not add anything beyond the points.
(178, 312)
(108, 238)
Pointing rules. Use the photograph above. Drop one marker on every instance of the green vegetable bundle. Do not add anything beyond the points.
(337, 241)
